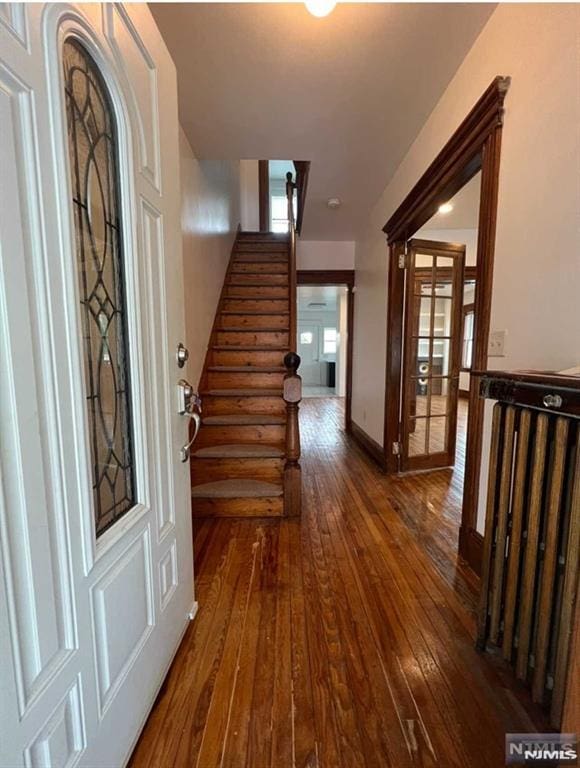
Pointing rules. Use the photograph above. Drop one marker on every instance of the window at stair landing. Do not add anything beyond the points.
(92, 144)
(279, 213)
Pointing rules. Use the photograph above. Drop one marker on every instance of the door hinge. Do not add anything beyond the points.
(396, 449)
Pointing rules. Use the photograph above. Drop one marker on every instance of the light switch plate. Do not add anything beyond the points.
(496, 346)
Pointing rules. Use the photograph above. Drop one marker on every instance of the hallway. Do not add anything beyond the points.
(344, 639)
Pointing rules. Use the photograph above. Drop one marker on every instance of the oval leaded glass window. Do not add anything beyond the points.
(95, 204)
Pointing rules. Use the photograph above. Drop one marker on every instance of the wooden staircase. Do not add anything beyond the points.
(244, 462)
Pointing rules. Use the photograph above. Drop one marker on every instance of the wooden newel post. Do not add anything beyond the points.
(292, 471)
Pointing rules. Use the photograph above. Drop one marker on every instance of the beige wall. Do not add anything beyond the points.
(537, 267)
(324, 254)
(249, 196)
(209, 218)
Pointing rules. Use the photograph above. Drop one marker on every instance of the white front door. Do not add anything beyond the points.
(96, 562)
(309, 351)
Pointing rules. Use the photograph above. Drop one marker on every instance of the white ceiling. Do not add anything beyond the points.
(319, 294)
(465, 213)
(279, 168)
(348, 92)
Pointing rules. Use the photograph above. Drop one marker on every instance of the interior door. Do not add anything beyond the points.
(309, 351)
(431, 354)
(96, 566)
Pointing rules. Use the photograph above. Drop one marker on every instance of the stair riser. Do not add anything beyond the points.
(264, 257)
(225, 357)
(260, 247)
(251, 338)
(218, 406)
(253, 321)
(259, 267)
(239, 380)
(265, 291)
(261, 507)
(272, 434)
(241, 278)
(256, 305)
(211, 470)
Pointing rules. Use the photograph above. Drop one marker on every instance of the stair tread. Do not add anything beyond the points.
(240, 451)
(236, 489)
(242, 419)
(264, 257)
(237, 328)
(256, 392)
(256, 297)
(263, 348)
(256, 284)
(254, 312)
(247, 368)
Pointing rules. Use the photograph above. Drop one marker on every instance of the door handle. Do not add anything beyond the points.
(187, 399)
(188, 404)
(185, 451)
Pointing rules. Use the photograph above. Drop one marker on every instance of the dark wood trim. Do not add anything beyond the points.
(302, 171)
(464, 393)
(445, 273)
(338, 277)
(475, 146)
(491, 151)
(264, 194)
(366, 442)
(472, 546)
(326, 277)
(530, 388)
(349, 354)
(453, 167)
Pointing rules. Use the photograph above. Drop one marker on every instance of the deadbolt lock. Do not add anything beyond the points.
(182, 355)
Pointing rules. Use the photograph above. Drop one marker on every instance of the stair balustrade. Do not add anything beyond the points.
(292, 380)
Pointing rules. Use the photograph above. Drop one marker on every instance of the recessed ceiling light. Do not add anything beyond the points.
(333, 202)
(320, 8)
(446, 208)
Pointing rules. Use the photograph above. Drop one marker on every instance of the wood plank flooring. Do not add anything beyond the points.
(344, 639)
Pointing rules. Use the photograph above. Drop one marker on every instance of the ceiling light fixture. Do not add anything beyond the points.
(446, 208)
(320, 8)
(333, 202)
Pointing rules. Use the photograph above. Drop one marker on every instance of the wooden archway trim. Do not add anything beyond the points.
(475, 146)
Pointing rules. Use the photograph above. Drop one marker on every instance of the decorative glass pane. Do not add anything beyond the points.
(95, 204)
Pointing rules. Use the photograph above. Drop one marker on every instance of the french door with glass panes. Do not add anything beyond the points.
(96, 571)
(431, 354)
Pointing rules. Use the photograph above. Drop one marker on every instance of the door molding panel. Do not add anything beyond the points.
(146, 113)
(28, 479)
(59, 644)
(475, 146)
(111, 672)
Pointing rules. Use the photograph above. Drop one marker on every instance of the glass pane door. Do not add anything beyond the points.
(432, 353)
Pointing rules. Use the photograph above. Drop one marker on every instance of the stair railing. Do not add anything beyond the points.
(290, 187)
(292, 381)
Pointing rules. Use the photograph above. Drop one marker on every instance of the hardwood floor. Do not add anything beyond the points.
(344, 639)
